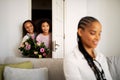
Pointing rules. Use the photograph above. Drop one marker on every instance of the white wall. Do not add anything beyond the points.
(74, 10)
(106, 11)
(12, 14)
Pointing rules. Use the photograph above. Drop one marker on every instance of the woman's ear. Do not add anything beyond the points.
(79, 32)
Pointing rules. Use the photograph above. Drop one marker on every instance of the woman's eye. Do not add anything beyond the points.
(92, 33)
(47, 25)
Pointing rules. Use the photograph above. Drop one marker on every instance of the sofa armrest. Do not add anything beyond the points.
(114, 64)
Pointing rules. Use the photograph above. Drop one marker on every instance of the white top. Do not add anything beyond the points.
(77, 68)
(27, 36)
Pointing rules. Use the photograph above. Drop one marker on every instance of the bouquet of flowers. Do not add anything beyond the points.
(30, 48)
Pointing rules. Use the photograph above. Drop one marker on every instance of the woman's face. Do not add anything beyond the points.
(45, 27)
(29, 27)
(90, 35)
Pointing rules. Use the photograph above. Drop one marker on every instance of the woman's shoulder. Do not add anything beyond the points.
(26, 37)
(99, 55)
(39, 35)
(74, 54)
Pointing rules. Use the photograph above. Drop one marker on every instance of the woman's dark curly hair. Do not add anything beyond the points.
(23, 27)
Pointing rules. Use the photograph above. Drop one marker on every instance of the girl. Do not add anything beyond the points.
(29, 30)
(44, 30)
(84, 63)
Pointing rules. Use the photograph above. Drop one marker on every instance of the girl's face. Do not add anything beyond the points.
(29, 27)
(45, 27)
(90, 36)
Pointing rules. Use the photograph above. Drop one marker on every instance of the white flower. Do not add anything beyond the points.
(38, 43)
(26, 43)
(35, 52)
(40, 56)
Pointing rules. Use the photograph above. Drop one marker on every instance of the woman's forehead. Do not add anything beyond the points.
(94, 26)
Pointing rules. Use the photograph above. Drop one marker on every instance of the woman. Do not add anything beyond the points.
(84, 63)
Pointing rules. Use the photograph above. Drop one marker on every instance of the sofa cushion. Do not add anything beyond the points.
(26, 64)
(25, 74)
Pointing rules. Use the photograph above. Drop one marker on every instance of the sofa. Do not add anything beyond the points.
(55, 66)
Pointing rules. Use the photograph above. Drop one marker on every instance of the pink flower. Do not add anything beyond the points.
(27, 47)
(44, 54)
(42, 50)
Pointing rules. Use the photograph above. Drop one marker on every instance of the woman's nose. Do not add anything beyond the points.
(98, 37)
